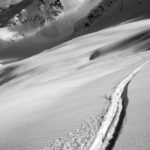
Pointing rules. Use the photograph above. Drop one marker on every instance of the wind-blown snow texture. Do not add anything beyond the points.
(46, 99)
(44, 80)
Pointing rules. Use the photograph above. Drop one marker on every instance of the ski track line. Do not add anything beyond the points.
(111, 117)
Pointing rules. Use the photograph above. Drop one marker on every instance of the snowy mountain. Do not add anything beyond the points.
(111, 12)
(63, 90)
(36, 25)
(30, 14)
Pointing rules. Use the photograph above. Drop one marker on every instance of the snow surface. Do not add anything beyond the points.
(135, 132)
(57, 98)
(51, 94)
(113, 110)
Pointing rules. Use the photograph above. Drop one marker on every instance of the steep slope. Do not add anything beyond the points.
(112, 12)
(47, 96)
(46, 100)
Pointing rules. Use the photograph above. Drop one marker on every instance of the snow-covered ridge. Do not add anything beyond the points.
(94, 14)
(111, 12)
(107, 129)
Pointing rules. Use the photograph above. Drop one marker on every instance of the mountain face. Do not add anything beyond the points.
(94, 14)
(30, 13)
(111, 12)
(32, 26)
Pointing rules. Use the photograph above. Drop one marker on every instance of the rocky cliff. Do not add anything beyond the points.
(31, 13)
(111, 12)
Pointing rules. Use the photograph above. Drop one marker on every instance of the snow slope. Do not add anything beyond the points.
(137, 117)
(29, 39)
(54, 94)
(111, 117)
(44, 97)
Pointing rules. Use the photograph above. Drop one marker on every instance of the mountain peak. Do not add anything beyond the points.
(32, 13)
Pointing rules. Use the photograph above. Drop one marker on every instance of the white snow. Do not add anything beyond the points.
(115, 107)
(43, 97)
(8, 35)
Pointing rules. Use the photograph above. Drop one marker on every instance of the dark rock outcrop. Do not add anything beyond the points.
(33, 12)
(111, 12)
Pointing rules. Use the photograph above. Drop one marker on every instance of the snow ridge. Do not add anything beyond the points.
(112, 115)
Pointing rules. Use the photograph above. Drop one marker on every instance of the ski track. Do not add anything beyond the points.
(112, 115)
